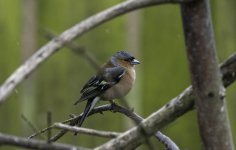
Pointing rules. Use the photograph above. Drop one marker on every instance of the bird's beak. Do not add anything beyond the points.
(135, 62)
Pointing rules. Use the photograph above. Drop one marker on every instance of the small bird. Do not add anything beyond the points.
(114, 80)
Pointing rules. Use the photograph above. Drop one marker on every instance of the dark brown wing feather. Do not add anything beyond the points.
(100, 83)
(94, 81)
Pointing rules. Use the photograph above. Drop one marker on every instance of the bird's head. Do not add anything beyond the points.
(124, 59)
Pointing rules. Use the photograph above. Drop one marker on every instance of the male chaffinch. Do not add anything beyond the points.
(113, 80)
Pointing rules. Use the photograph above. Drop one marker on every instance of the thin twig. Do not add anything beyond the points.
(49, 122)
(166, 141)
(72, 122)
(35, 130)
(40, 132)
(86, 130)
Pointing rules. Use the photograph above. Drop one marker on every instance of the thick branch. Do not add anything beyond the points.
(168, 113)
(206, 78)
(78, 30)
(34, 144)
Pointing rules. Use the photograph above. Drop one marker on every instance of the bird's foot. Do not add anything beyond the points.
(113, 106)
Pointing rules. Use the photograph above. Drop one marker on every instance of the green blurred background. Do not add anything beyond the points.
(152, 34)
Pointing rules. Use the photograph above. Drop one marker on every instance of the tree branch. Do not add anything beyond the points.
(34, 144)
(177, 107)
(206, 78)
(86, 131)
(31, 125)
(170, 145)
(78, 30)
(166, 141)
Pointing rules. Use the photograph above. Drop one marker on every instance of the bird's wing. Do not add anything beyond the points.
(113, 74)
(100, 83)
(94, 81)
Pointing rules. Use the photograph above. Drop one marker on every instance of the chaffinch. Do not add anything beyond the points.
(114, 80)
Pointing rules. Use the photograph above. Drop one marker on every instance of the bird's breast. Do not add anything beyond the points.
(122, 88)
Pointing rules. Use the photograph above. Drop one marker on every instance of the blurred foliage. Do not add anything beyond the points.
(163, 73)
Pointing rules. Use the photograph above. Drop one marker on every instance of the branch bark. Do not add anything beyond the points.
(206, 78)
(34, 144)
(70, 34)
(86, 131)
(177, 107)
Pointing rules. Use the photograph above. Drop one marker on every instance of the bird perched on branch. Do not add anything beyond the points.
(114, 80)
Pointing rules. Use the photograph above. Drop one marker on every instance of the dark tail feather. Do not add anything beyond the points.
(85, 113)
(89, 106)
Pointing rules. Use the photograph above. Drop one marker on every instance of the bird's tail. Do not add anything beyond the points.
(89, 106)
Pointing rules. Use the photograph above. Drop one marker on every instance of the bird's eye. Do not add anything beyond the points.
(129, 59)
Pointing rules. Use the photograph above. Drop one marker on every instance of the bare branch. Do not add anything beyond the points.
(31, 125)
(99, 109)
(168, 113)
(206, 78)
(72, 122)
(166, 141)
(40, 132)
(51, 47)
(86, 130)
(109, 107)
(34, 144)
(49, 122)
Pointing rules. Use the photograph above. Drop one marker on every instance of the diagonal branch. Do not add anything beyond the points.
(79, 29)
